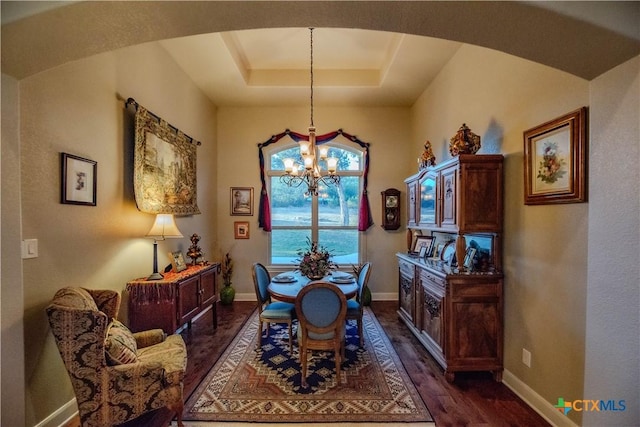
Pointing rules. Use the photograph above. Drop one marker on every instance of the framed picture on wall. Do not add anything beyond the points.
(241, 201)
(241, 230)
(78, 180)
(555, 160)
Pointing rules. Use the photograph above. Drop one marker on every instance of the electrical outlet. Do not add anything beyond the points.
(526, 357)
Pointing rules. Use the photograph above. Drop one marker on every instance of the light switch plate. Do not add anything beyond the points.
(29, 248)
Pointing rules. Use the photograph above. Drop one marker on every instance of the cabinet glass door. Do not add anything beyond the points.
(428, 200)
(449, 198)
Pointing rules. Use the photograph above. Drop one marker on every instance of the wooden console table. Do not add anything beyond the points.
(174, 300)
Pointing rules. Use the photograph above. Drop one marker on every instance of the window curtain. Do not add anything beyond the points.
(365, 219)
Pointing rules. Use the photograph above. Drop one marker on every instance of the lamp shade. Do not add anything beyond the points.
(164, 227)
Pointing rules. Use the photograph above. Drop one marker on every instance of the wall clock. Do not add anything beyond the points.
(390, 209)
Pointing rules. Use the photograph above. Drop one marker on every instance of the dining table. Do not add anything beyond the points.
(285, 286)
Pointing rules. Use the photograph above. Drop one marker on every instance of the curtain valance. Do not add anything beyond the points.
(364, 215)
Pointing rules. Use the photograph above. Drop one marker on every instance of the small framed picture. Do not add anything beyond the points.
(241, 230)
(423, 242)
(177, 261)
(79, 180)
(242, 201)
(468, 259)
(437, 252)
(423, 252)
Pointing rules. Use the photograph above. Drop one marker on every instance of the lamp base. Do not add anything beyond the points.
(155, 276)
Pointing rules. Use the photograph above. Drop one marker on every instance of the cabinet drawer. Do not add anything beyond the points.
(476, 289)
(406, 269)
(431, 280)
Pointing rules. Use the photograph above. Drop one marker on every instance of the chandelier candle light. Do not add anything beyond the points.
(311, 173)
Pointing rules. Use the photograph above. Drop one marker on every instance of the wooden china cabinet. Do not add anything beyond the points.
(455, 306)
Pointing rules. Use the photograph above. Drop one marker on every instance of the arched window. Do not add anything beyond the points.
(331, 219)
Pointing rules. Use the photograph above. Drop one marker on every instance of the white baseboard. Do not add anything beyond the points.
(536, 402)
(61, 416)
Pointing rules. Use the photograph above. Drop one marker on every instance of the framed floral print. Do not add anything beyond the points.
(555, 160)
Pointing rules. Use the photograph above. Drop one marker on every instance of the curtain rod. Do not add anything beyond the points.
(131, 101)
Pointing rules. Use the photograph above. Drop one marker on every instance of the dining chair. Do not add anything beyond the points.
(270, 311)
(355, 307)
(321, 308)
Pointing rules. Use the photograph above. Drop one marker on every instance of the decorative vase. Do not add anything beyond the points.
(366, 297)
(464, 142)
(227, 294)
(312, 277)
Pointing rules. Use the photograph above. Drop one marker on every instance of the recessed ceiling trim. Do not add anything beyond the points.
(324, 77)
(394, 47)
(232, 43)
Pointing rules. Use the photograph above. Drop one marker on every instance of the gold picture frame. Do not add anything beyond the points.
(555, 160)
(241, 230)
(164, 177)
(177, 262)
(241, 202)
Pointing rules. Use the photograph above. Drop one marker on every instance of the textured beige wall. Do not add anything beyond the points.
(545, 247)
(613, 297)
(241, 129)
(12, 412)
(75, 109)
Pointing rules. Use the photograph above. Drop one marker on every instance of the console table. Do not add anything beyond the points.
(174, 300)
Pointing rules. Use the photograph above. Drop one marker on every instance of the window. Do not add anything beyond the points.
(331, 219)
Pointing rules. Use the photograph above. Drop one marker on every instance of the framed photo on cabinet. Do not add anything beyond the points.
(555, 160)
(423, 242)
(177, 261)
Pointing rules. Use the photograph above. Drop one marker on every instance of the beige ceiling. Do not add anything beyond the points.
(272, 66)
(257, 52)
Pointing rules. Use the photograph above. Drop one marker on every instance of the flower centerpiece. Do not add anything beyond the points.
(315, 262)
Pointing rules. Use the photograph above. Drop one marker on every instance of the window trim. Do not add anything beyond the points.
(271, 173)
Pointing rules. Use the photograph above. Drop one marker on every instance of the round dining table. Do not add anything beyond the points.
(287, 290)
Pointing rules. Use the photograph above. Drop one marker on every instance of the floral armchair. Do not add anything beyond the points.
(116, 375)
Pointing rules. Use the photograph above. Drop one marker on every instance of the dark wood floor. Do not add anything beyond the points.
(473, 399)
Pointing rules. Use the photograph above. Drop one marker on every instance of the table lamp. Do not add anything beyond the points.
(163, 228)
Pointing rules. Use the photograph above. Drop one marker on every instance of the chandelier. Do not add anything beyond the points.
(311, 172)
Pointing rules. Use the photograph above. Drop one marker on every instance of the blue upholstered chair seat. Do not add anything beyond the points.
(316, 336)
(353, 307)
(270, 311)
(279, 310)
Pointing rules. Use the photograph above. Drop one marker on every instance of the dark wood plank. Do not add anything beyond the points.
(474, 398)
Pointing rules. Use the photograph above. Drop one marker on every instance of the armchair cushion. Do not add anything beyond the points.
(172, 356)
(120, 345)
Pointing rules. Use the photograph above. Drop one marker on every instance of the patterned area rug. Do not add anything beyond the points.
(250, 385)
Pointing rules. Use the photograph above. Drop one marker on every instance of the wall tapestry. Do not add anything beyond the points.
(164, 177)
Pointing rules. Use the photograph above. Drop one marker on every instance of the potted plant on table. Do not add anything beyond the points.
(227, 293)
